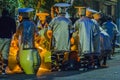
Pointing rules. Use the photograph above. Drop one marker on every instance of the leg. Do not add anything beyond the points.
(5, 64)
(5, 53)
(109, 54)
(105, 59)
(0, 64)
(101, 58)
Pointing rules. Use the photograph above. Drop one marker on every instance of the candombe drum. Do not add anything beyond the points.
(13, 62)
(43, 43)
(29, 60)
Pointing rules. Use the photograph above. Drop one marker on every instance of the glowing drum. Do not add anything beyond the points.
(29, 60)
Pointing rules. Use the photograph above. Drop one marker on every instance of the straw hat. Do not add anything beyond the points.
(42, 16)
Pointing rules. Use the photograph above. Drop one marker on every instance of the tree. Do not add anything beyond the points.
(46, 6)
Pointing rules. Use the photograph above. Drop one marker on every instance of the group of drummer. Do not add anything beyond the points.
(85, 36)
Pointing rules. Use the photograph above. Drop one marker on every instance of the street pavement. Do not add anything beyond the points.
(110, 73)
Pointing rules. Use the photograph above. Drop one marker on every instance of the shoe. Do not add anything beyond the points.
(104, 66)
(3, 75)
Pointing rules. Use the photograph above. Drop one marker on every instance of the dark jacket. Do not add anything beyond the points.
(7, 27)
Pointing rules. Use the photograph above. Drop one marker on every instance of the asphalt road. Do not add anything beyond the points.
(110, 73)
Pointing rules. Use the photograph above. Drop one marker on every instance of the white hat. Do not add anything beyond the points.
(62, 7)
(92, 10)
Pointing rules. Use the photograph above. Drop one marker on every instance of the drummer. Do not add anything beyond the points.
(42, 23)
(85, 27)
(111, 28)
(26, 33)
(42, 27)
(87, 31)
(61, 28)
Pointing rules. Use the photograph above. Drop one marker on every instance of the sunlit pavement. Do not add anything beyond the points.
(110, 73)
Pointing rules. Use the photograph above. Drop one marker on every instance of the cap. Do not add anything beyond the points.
(62, 7)
(81, 10)
(22, 10)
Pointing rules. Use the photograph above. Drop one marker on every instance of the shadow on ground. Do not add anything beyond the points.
(18, 77)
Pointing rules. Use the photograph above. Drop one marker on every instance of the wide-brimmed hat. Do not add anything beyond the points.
(25, 10)
(42, 14)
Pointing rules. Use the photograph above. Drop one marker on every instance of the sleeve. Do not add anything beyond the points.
(36, 31)
(116, 29)
(71, 27)
(96, 30)
(19, 29)
(51, 24)
(76, 28)
(103, 26)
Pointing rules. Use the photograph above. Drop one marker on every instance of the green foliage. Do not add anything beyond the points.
(48, 4)
(21, 3)
(10, 5)
(13, 5)
(80, 3)
(27, 3)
